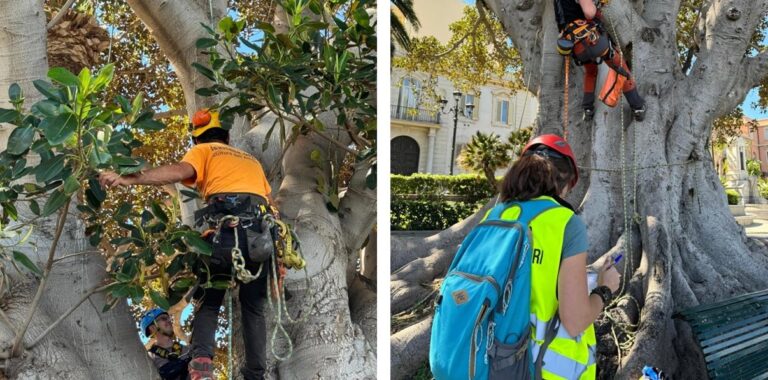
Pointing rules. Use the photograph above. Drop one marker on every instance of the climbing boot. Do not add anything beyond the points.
(639, 113)
(201, 369)
(589, 113)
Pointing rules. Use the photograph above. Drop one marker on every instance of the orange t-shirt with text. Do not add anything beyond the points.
(221, 168)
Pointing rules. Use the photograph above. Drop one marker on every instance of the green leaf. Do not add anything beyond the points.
(49, 91)
(85, 79)
(58, 129)
(206, 91)
(71, 185)
(149, 124)
(63, 76)
(221, 284)
(95, 188)
(274, 98)
(14, 92)
(49, 169)
(46, 108)
(34, 207)
(205, 71)
(190, 194)
(10, 211)
(204, 43)
(123, 210)
(103, 77)
(7, 116)
(125, 105)
(159, 213)
(183, 283)
(22, 259)
(197, 244)
(159, 300)
(20, 140)
(266, 27)
(54, 202)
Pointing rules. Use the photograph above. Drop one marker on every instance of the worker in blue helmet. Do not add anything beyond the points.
(168, 354)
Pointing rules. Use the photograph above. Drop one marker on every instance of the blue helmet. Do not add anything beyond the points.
(149, 319)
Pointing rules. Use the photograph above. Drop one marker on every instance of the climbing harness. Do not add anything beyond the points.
(285, 255)
(172, 353)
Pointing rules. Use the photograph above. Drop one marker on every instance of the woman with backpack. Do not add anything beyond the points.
(562, 307)
(515, 303)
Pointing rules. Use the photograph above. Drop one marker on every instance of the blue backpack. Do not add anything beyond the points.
(481, 327)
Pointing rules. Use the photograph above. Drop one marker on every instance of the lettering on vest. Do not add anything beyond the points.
(538, 256)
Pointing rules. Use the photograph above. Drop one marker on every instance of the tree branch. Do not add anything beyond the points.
(357, 209)
(756, 69)
(65, 315)
(620, 16)
(18, 341)
(60, 15)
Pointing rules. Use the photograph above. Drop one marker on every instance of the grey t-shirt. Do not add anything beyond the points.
(575, 239)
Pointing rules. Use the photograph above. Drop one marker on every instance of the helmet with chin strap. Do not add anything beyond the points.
(149, 319)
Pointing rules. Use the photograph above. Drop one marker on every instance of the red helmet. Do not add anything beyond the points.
(558, 144)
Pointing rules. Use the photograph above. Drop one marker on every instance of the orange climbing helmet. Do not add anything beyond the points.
(559, 145)
(204, 120)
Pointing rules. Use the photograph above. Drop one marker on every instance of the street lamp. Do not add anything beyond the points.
(455, 111)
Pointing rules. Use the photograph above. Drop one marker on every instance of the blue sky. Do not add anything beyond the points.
(749, 110)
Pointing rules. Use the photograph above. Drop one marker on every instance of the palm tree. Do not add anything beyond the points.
(484, 154)
(518, 139)
(402, 10)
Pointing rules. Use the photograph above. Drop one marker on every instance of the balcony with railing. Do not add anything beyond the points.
(415, 114)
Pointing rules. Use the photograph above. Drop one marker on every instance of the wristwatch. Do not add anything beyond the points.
(605, 294)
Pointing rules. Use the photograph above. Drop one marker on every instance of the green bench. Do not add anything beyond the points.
(733, 336)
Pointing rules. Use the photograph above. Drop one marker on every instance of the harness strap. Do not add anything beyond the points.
(173, 354)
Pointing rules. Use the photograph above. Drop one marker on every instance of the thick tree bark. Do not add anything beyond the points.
(88, 344)
(649, 185)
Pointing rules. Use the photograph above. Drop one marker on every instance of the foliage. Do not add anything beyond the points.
(408, 215)
(76, 133)
(402, 10)
(733, 196)
(518, 139)
(469, 188)
(435, 202)
(762, 185)
(323, 63)
(467, 59)
(729, 126)
(485, 154)
(753, 168)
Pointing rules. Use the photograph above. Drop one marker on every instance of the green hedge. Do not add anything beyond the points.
(733, 196)
(409, 215)
(472, 187)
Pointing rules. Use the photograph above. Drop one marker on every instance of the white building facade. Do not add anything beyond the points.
(422, 137)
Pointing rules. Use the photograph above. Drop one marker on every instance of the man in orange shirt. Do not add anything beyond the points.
(233, 183)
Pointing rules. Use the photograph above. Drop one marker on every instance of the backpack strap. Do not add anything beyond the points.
(549, 336)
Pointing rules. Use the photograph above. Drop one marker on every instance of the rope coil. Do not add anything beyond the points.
(287, 253)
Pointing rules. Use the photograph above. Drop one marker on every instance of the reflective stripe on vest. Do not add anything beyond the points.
(566, 357)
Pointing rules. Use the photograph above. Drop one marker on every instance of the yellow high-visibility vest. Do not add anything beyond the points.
(567, 357)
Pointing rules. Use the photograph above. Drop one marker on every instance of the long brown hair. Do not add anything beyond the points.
(534, 175)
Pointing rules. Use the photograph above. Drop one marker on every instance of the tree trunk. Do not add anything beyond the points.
(88, 344)
(649, 188)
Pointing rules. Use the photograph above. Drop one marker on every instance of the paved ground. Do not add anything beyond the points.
(759, 226)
